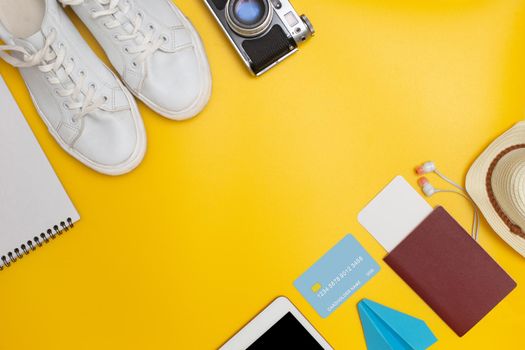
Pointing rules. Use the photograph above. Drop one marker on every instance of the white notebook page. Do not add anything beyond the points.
(32, 199)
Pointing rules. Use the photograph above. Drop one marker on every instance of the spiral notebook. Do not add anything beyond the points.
(34, 207)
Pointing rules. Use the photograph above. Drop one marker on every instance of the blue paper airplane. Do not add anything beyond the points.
(388, 329)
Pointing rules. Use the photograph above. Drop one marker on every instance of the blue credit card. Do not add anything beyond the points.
(336, 276)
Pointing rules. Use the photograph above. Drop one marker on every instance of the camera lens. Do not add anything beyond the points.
(249, 18)
(248, 12)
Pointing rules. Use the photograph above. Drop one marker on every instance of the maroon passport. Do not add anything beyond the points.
(450, 271)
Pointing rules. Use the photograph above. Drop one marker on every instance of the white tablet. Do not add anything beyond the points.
(279, 326)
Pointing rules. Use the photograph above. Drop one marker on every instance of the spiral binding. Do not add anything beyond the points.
(38, 241)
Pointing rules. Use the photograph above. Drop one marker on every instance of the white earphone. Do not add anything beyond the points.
(426, 187)
(429, 190)
(430, 167)
(426, 168)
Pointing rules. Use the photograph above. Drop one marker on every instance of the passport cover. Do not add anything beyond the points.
(450, 271)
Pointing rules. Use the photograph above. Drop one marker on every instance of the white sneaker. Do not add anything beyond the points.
(84, 105)
(155, 49)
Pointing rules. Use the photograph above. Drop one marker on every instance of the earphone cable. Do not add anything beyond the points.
(447, 179)
(475, 219)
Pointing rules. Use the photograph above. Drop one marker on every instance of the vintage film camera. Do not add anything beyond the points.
(264, 32)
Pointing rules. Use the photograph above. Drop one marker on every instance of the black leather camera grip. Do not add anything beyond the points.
(266, 50)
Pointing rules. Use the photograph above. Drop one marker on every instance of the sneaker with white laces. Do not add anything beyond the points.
(155, 49)
(84, 105)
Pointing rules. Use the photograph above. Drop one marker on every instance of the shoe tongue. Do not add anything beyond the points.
(128, 27)
(36, 40)
(36, 43)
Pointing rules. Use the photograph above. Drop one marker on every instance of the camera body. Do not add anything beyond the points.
(264, 32)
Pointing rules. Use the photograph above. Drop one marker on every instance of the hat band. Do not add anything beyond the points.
(517, 230)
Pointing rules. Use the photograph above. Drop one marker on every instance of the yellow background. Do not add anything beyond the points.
(228, 209)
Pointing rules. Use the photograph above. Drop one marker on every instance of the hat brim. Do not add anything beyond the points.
(476, 184)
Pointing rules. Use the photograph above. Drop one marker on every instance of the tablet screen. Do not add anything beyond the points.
(287, 333)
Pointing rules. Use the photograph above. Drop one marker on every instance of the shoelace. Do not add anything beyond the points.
(147, 45)
(50, 63)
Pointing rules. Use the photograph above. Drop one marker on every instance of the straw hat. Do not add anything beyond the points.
(496, 182)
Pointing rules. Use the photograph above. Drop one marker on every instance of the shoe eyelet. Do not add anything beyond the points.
(126, 49)
(65, 105)
(165, 38)
(134, 64)
(106, 99)
(151, 27)
(93, 86)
